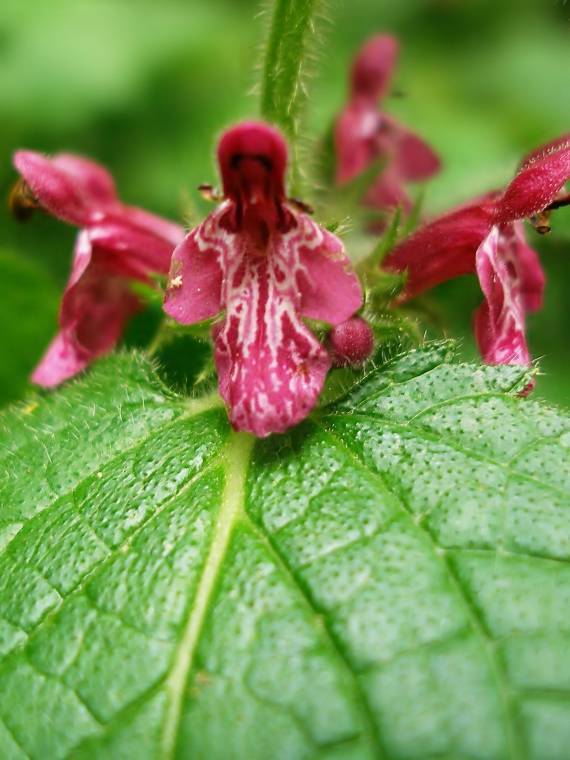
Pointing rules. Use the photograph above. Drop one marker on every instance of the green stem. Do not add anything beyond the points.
(290, 42)
(160, 337)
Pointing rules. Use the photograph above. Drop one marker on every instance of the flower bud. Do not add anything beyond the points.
(351, 342)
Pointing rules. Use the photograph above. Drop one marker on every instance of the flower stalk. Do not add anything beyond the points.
(291, 42)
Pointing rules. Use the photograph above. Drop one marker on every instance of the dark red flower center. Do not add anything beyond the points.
(252, 158)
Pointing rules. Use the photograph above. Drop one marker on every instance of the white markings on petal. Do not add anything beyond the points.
(501, 332)
(271, 367)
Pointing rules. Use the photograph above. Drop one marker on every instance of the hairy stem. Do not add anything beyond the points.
(290, 43)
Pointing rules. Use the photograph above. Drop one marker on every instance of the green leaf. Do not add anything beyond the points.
(389, 580)
(28, 313)
(291, 41)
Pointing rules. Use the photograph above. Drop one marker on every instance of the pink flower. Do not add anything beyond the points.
(267, 264)
(364, 135)
(116, 244)
(487, 237)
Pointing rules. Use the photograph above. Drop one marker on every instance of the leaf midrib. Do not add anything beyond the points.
(233, 510)
(237, 455)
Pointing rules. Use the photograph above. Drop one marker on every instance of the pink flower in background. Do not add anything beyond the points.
(116, 244)
(267, 264)
(487, 237)
(364, 135)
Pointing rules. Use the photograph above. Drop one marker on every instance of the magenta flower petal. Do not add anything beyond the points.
(408, 158)
(355, 139)
(542, 175)
(135, 252)
(524, 259)
(442, 249)
(94, 181)
(414, 159)
(388, 192)
(82, 192)
(199, 263)
(94, 310)
(72, 189)
(271, 368)
(555, 145)
(373, 67)
(500, 322)
(330, 291)
(488, 236)
(162, 229)
(62, 360)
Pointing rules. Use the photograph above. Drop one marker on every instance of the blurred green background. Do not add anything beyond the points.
(146, 87)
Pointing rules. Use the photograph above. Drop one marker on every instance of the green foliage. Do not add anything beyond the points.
(28, 314)
(388, 580)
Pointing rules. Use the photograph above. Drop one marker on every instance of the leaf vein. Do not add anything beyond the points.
(304, 593)
(452, 444)
(477, 624)
(103, 563)
(106, 464)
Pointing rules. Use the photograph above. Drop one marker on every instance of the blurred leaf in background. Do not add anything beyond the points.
(146, 88)
(28, 309)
